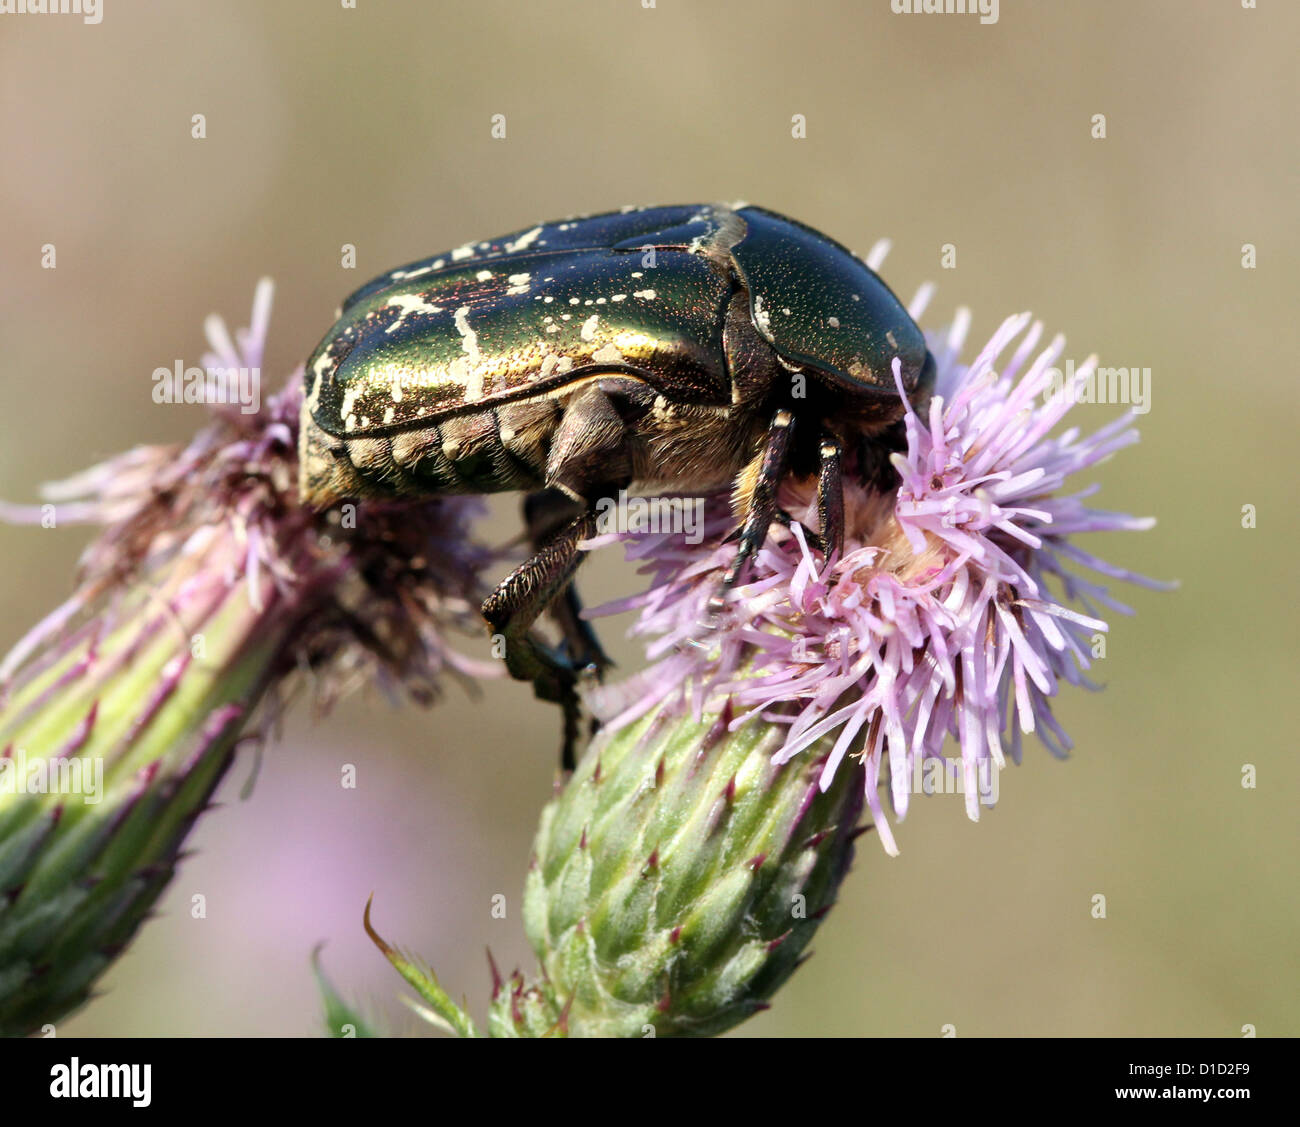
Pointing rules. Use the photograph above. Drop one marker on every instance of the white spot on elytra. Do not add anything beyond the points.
(524, 241)
(608, 355)
(318, 371)
(833, 322)
(468, 337)
(469, 371)
(403, 275)
(589, 327)
(647, 295)
(408, 304)
(484, 275)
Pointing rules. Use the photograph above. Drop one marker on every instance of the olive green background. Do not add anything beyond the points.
(328, 126)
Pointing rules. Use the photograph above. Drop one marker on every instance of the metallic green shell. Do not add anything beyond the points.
(507, 318)
(484, 326)
(819, 305)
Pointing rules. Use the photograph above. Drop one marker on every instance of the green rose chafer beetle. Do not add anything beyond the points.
(681, 348)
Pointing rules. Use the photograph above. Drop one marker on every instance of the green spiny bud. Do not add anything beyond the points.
(677, 880)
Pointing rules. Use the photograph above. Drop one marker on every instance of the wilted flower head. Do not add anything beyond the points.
(957, 607)
(207, 588)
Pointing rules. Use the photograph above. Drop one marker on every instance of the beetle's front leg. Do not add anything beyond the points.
(516, 604)
(762, 508)
(830, 497)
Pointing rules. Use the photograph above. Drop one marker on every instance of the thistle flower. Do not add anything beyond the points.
(208, 591)
(681, 872)
(956, 609)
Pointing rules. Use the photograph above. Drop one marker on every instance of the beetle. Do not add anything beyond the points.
(688, 347)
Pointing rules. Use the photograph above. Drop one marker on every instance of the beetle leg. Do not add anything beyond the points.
(830, 497)
(516, 604)
(762, 505)
(545, 513)
(830, 502)
(587, 460)
(814, 541)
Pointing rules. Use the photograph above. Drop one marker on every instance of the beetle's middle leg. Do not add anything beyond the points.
(516, 604)
(546, 513)
(588, 459)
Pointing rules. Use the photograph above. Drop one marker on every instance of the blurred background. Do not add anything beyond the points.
(327, 126)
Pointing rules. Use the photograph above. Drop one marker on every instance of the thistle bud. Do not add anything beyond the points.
(678, 878)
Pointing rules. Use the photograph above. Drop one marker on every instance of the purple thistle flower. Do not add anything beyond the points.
(957, 608)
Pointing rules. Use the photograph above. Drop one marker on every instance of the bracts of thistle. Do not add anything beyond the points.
(676, 881)
(208, 595)
(719, 802)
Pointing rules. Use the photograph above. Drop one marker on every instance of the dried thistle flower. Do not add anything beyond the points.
(206, 596)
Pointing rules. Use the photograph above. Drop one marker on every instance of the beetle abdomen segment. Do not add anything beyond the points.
(477, 452)
(482, 452)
